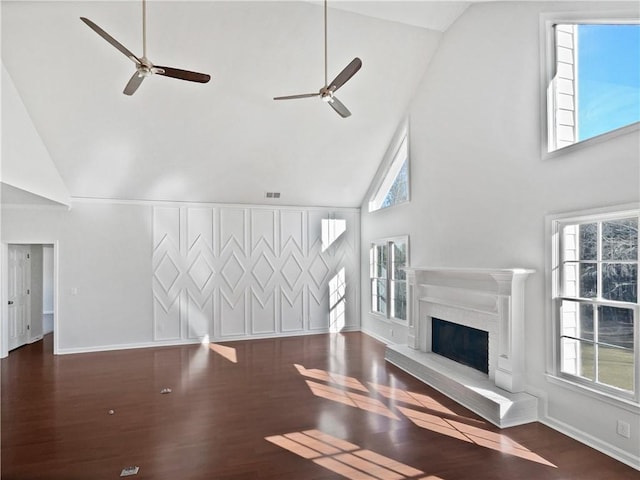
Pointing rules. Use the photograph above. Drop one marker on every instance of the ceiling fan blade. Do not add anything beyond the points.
(293, 97)
(182, 74)
(111, 40)
(348, 72)
(133, 84)
(339, 107)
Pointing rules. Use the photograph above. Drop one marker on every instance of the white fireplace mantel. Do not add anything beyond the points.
(487, 299)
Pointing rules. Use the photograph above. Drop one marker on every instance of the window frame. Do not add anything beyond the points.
(556, 296)
(388, 244)
(548, 66)
(389, 167)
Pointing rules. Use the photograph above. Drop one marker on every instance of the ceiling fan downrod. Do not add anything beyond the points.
(326, 93)
(144, 67)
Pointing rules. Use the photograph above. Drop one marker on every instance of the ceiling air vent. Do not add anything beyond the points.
(273, 195)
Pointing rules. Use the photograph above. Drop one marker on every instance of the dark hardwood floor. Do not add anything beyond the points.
(305, 408)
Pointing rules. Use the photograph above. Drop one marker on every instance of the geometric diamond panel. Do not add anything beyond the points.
(263, 271)
(200, 272)
(232, 271)
(291, 271)
(167, 273)
(318, 270)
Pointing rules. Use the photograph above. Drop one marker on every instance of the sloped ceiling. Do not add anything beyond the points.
(225, 141)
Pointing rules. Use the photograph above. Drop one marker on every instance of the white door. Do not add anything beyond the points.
(19, 285)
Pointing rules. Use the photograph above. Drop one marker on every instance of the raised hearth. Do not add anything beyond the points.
(490, 300)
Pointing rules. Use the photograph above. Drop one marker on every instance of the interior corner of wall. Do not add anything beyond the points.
(26, 161)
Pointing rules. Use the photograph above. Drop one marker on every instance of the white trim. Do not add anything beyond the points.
(4, 309)
(553, 224)
(193, 341)
(547, 67)
(4, 327)
(386, 167)
(577, 434)
(587, 143)
(387, 315)
(618, 402)
(318, 331)
(608, 449)
(129, 346)
(176, 203)
(375, 336)
(28, 206)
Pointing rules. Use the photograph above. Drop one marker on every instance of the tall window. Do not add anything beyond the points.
(596, 300)
(388, 280)
(393, 177)
(593, 79)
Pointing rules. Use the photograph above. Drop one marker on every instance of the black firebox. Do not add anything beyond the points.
(465, 345)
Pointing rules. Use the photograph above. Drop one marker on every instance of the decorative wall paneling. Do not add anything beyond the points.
(243, 272)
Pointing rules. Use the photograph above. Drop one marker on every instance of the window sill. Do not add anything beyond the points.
(587, 143)
(384, 318)
(384, 209)
(619, 402)
(379, 316)
(399, 321)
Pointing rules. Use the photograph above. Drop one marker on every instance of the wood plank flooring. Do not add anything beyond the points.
(304, 408)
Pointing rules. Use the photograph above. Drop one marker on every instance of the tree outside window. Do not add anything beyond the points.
(388, 281)
(597, 301)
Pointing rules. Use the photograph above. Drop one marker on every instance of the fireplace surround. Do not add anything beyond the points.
(489, 300)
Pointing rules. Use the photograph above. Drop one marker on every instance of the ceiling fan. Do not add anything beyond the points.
(326, 93)
(144, 67)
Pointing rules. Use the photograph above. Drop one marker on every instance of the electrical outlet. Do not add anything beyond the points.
(624, 429)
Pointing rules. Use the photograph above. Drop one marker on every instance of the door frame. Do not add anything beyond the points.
(4, 292)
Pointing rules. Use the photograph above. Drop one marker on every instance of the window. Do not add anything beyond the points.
(393, 186)
(595, 300)
(593, 78)
(388, 280)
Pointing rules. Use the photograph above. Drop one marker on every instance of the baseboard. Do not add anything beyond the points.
(237, 338)
(595, 443)
(192, 341)
(127, 346)
(380, 338)
(580, 436)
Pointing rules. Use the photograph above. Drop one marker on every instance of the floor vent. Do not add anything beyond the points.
(128, 471)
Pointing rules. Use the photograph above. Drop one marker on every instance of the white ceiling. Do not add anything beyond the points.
(225, 141)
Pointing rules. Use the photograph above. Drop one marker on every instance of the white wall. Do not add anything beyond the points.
(111, 270)
(26, 163)
(481, 190)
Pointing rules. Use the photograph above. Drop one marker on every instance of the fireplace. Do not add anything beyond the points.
(465, 345)
(486, 308)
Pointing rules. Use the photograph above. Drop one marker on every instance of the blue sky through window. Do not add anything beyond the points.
(608, 78)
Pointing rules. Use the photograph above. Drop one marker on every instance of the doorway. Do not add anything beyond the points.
(30, 293)
(19, 295)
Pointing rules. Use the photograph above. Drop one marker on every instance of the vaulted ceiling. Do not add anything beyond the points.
(227, 140)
